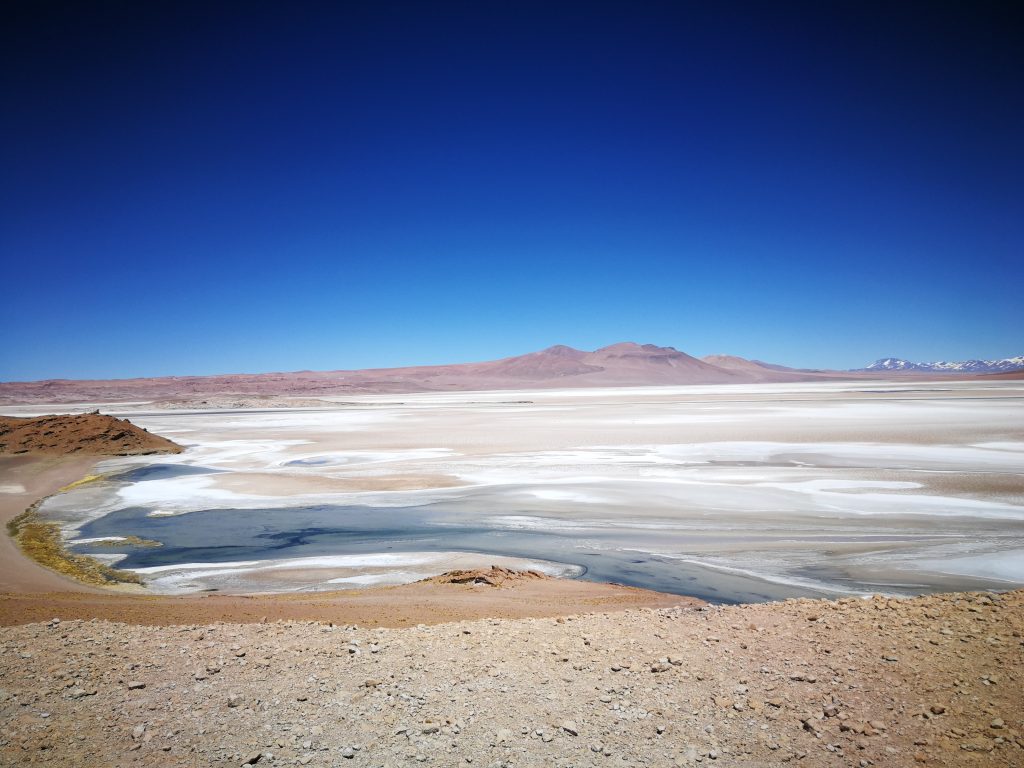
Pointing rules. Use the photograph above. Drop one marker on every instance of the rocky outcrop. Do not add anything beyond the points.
(495, 576)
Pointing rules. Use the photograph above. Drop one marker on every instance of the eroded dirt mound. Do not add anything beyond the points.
(86, 433)
(495, 576)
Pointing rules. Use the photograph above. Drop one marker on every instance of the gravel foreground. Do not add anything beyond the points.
(933, 680)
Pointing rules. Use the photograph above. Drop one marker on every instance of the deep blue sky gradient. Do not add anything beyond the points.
(194, 188)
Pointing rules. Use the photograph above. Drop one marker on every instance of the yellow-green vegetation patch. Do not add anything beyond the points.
(83, 481)
(43, 542)
(125, 541)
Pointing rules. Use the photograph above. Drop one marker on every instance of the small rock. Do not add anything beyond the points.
(570, 727)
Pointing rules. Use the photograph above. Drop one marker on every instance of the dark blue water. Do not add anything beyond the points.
(226, 535)
(160, 472)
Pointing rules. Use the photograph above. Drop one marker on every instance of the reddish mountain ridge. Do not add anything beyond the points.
(623, 364)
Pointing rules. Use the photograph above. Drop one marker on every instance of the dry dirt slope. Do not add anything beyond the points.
(928, 681)
(79, 434)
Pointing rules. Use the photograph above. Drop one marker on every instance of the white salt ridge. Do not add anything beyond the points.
(95, 539)
(765, 574)
(318, 462)
(1009, 457)
(180, 495)
(557, 494)
(1003, 566)
(377, 579)
(259, 575)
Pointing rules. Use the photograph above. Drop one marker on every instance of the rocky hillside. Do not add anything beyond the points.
(934, 681)
(83, 434)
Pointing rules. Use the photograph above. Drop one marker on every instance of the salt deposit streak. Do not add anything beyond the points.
(1004, 566)
(336, 572)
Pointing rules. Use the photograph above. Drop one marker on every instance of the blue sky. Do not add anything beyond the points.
(204, 188)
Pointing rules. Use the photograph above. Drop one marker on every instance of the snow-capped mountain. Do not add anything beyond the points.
(941, 366)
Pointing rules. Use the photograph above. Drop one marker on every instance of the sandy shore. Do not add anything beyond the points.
(25, 480)
(401, 606)
(30, 592)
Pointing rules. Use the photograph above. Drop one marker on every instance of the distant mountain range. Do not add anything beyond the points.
(623, 364)
(965, 366)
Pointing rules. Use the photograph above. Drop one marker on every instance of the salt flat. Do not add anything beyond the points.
(726, 492)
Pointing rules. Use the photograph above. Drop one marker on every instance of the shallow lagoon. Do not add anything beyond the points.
(727, 493)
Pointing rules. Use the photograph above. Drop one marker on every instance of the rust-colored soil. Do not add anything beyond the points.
(402, 606)
(91, 434)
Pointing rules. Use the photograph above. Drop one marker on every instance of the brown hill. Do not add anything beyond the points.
(1010, 375)
(86, 433)
(626, 363)
(623, 364)
(755, 370)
